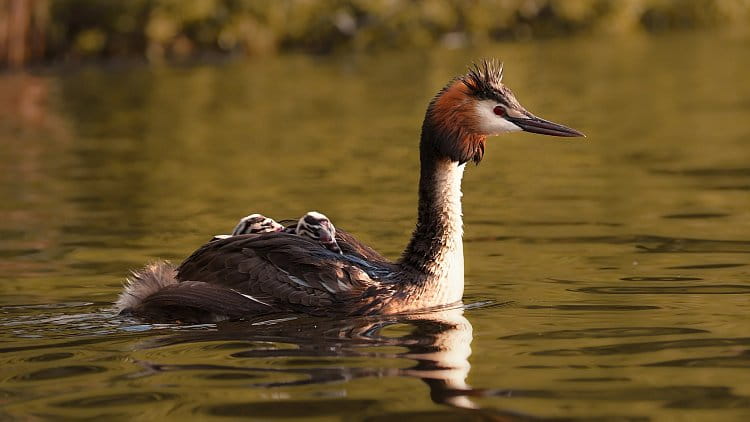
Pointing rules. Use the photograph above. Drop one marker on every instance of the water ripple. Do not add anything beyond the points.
(645, 243)
(705, 266)
(290, 408)
(655, 278)
(595, 308)
(60, 372)
(718, 289)
(604, 333)
(690, 216)
(741, 361)
(647, 347)
(686, 397)
(108, 400)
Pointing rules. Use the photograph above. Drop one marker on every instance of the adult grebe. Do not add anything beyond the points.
(314, 225)
(270, 272)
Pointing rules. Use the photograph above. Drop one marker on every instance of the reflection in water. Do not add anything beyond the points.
(440, 343)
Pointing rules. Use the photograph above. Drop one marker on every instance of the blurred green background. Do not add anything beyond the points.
(46, 30)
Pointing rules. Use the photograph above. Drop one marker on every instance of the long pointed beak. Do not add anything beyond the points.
(534, 124)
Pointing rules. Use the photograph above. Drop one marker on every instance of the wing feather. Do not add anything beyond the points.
(284, 270)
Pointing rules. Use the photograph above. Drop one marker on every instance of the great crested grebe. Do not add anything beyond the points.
(314, 225)
(275, 272)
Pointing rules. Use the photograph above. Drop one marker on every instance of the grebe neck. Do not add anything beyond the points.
(434, 256)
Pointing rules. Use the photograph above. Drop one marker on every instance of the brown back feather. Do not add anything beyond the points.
(286, 271)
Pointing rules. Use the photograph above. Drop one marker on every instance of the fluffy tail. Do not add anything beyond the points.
(145, 282)
(154, 293)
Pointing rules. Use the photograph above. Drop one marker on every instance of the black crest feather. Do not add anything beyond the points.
(485, 78)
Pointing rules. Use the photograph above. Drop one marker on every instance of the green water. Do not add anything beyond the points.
(606, 279)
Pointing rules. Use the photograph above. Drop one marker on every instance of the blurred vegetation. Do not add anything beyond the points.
(34, 30)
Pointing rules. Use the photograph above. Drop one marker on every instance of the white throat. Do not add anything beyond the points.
(450, 260)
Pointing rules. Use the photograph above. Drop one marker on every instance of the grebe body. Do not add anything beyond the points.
(248, 274)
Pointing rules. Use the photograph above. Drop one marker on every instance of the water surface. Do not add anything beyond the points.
(607, 279)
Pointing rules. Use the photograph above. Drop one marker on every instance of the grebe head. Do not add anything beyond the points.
(317, 226)
(256, 223)
(475, 106)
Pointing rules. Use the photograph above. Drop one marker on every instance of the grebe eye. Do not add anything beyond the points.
(500, 111)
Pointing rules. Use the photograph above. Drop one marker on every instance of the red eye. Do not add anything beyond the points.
(500, 111)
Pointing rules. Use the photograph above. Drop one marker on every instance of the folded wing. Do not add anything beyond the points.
(283, 271)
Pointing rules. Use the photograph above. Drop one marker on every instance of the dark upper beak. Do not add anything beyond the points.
(534, 124)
